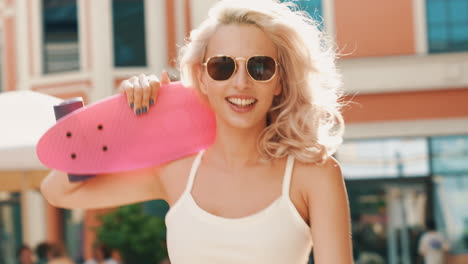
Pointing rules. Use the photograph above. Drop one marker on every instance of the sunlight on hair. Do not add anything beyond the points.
(305, 119)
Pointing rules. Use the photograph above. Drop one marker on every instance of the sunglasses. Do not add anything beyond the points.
(260, 68)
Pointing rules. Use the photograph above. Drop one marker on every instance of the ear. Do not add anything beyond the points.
(278, 88)
(201, 79)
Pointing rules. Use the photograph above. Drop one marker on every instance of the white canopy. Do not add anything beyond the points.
(24, 117)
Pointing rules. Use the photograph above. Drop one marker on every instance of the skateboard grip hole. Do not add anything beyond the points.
(100, 127)
(104, 148)
(69, 134)
(73, 156)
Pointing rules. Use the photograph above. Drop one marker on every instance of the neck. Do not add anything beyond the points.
(235, 147)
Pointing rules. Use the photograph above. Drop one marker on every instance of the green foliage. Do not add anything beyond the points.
(139, 237)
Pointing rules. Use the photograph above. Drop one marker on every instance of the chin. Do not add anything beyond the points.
(245, 123)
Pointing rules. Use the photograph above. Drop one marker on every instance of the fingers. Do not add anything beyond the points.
(127, 87)
(146, 93)
(138, 94)
(142, 91)
(155, 84)
(165, 78)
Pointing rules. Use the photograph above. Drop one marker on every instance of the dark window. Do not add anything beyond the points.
(61, 46)
(10, 226)
(129, 33)
(447, 25)
(73, 235)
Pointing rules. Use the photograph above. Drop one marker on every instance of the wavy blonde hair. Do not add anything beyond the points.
(305, 119)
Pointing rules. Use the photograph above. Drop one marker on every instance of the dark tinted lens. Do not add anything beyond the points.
(220, 68)
(261, 68)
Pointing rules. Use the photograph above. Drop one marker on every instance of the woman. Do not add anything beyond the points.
(268, 188)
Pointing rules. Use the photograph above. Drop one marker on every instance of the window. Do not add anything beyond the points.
(444, 158)
(313, 7)
(449, 164)
(452, 210)
(60, 27)
(129, 33)
(450, 155)
(447, 25)
(384, 158)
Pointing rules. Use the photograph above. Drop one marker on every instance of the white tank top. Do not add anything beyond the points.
(276, 234)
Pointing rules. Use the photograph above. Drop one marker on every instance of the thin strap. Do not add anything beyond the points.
(287, 175)
(193, 171)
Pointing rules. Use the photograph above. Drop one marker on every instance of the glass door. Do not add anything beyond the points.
(387, 220)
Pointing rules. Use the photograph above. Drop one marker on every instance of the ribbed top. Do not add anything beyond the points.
(275, 234)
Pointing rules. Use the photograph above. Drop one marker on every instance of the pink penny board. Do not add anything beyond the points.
(107, 136)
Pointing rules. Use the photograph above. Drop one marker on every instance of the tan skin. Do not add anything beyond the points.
(231, 165)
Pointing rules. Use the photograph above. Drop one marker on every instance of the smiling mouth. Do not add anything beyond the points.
(241, 102)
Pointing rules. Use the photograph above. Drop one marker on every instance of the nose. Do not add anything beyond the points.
(241, 76)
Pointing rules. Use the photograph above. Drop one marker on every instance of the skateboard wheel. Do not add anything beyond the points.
(77, 178)
(67, 107)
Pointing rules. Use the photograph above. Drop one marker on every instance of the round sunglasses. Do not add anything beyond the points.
(259, 68)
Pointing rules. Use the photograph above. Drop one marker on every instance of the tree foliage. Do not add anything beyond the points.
(139, 237)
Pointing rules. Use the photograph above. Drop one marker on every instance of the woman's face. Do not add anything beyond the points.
(240, 41)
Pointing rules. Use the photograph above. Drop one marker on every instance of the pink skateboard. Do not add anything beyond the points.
(107, 136)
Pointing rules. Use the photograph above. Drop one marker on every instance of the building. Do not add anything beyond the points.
(404, 64)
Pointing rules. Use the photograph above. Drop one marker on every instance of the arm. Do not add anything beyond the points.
(106, 190)
(112, 189)
(329, 214)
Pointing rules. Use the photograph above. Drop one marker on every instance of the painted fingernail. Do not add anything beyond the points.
(144, 109)
(132, 105)
(151, 101)
(138, 112)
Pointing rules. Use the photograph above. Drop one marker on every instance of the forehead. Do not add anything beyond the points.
(240, 41)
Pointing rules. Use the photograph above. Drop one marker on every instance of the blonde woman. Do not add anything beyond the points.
(267, 189)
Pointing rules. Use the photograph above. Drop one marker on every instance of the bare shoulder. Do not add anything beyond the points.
(173, 177)
(309, 183)
(322, 186)
(328, 211)
(313, 176)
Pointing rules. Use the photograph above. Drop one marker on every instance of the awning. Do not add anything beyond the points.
(24, 117)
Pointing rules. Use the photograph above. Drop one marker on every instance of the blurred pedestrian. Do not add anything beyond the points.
(42, 252)
(58, 255)
(116, 257)
(432, 245)
(102, 254)
(25, 255)
(165, 261)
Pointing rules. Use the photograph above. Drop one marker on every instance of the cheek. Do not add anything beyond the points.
(212, 94)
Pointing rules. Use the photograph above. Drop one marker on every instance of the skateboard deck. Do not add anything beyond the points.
(107, 136)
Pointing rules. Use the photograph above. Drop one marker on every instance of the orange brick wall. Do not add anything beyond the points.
(407, 106)
(374, 28)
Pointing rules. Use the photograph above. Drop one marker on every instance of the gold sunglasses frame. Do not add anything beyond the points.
(235, 59)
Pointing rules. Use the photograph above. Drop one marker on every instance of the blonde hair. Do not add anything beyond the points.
(305, 119)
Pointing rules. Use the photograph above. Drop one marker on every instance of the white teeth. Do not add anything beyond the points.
(241, 102)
